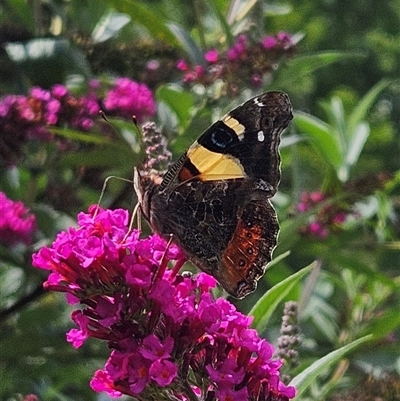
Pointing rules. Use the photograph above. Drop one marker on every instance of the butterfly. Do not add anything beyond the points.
(215, 199)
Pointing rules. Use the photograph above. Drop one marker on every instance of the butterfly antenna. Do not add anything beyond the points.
(140, 137)
(103, 190)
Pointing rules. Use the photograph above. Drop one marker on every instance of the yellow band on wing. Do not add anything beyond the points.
(233, 124)
(214, 166)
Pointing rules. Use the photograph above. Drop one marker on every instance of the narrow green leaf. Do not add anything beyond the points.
(274, 9)
(80, 136)
(154, 22)
(357, 142)
(109, 25)
(360, 111)
(359, 266)
(239, 9)
(103, 157)
(128, 132)
(267, 304)
(193, 52)
(303, 380)
(305, 65)
(381, 326)
(337, 119)
(178, 100)
(321, 136)
(222, 20)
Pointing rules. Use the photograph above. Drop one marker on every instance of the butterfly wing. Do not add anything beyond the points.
(215, 199)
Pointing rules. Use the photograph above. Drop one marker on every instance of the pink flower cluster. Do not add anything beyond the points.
(169, 338)
(28, 117)
(16, 224)
(327, 218)
(245, 61)
(129, 98)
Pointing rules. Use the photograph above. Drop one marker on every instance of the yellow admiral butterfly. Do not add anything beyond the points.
(214, 200)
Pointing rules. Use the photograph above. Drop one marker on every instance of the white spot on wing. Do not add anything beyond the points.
(258, 103)
(260, 136)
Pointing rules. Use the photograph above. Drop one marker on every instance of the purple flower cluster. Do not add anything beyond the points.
(16, 224)
(328, 217)
(129, 98)
(23, 118)
(169, 338)
(245, 61)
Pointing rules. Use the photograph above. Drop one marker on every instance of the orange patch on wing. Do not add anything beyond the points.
(241, 255)
(185, 174)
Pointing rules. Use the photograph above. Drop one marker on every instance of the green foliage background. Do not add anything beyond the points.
(345, 88)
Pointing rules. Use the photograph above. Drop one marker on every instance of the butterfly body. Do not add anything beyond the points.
(214, 200)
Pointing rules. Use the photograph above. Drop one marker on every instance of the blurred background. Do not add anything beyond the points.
(183, 64)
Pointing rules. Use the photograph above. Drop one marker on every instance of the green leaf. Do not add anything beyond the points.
(335, 112)
(128, 132)
(109, 26)
(103, 157)
(51, 221)
(47, 61)
(141, 14)
(357, 142)
(359, 266)
(381, 326)
(267, 304)
(222, 20)
(360, 111)
(305, 65)
(20, 11)
(190, 47)
(321, 135)
(303, 380)
(239, 9)
(178, 100)
(80, 136)
(274, 9)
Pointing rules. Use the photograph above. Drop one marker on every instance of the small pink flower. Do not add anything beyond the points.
(269, 42)
(339, 218)
(153, 349)
(102, 382)
(199, 70)
(211, 56)
(232, 54)
(317, 197)
(59, 91)
(182, 65)
(153, 65)
(128, 98)
(230, 394)
(284, 37)
(318, 230)
(16, 223)
(256, 80)
(163, 372)
(94, 84)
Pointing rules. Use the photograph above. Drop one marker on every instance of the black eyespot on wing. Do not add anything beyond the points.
(218, 138)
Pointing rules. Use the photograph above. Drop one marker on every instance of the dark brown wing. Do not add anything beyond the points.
(215, 198)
